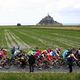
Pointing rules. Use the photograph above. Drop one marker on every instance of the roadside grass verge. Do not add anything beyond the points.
(40, 76)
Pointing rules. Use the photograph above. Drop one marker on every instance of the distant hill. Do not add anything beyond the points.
(48, 20)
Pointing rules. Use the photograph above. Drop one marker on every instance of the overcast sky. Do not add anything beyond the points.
(32, 11)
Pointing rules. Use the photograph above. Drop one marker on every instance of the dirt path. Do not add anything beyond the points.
(13, 40)
(7, 40)
(19, 42)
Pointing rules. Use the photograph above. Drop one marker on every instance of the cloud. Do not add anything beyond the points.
(31, 11)
(70, 15)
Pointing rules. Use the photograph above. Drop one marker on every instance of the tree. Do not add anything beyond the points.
(18, 24)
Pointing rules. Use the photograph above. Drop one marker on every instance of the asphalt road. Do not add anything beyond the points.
(52, 70)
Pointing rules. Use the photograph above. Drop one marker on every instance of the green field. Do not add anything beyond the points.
(39, 76)
(42, 37)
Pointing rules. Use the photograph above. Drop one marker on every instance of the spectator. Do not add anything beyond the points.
(12, 53)
(31, 61)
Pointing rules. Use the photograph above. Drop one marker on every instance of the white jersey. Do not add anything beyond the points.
(16, 52)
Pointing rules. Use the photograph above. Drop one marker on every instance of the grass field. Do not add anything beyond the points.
(40, 76)
(42, 37)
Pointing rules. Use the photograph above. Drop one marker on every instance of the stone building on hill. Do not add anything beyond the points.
(48, 20)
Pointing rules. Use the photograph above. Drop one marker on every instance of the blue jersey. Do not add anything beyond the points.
(64, 54)
(54, 53)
